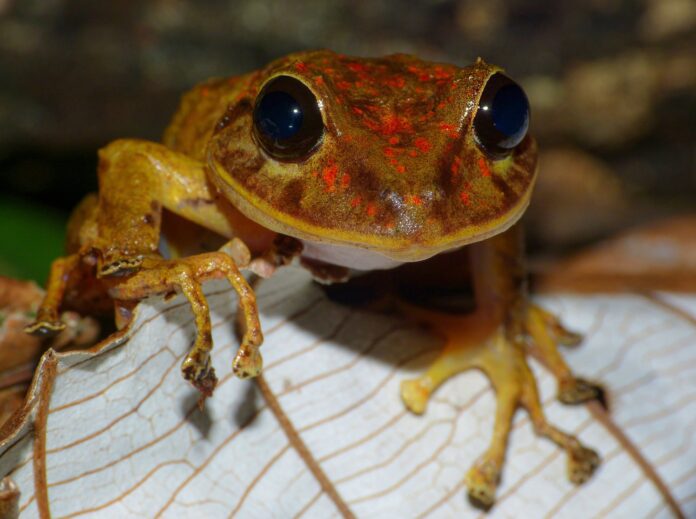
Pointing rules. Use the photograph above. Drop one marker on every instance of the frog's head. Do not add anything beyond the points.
(401, 156)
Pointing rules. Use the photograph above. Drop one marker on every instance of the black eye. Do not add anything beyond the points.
(287, 120)
(503, 116)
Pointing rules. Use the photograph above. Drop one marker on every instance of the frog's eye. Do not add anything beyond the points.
(502, 118)
(287, 120)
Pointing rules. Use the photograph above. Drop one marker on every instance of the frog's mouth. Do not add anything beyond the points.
(397, 248)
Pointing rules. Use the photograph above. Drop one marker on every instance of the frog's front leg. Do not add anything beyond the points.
(496, 339)
(187, 274)
(118, 234)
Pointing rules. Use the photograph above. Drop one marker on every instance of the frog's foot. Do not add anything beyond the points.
(160, 276)
(545, 331)
(474, 342)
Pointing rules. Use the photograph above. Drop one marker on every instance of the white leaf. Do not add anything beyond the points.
(329, 435)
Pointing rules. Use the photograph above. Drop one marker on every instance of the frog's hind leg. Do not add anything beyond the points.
(472, 343)
(47, 320)
(545, 332)
(81, 228)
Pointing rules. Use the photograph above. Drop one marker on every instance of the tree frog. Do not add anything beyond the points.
(344, 164)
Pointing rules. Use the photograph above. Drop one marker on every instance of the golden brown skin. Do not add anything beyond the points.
(397, 175)
(397, 171)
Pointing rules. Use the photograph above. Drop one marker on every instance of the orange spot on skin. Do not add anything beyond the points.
(356, 67)
(415, 200)
(319, 80)
(395, 82)
(392, 123)
(449, 129)
(357, 110)
(464, 197)
(422, 144)
(343, 85)
(413, 153)
(401, 168)
(357, 200)
(389, 151)
(454, 167)
(441, 73)
(328, 175)
(483, 167)
(371, 124)
(300, 67)
(394, 140)
(345, 181)
(371, 209)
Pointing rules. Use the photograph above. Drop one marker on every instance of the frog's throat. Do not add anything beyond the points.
(396, 248)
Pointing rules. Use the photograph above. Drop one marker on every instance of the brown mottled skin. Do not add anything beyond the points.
(392, 172)
(397, 175)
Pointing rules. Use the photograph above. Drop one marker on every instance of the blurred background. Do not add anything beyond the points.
(612, 84)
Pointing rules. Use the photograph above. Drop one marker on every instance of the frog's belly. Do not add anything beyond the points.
(350, 257)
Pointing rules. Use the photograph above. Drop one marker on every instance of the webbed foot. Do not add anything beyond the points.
(475, 341)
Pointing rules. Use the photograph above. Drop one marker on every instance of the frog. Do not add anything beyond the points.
(343, 165)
